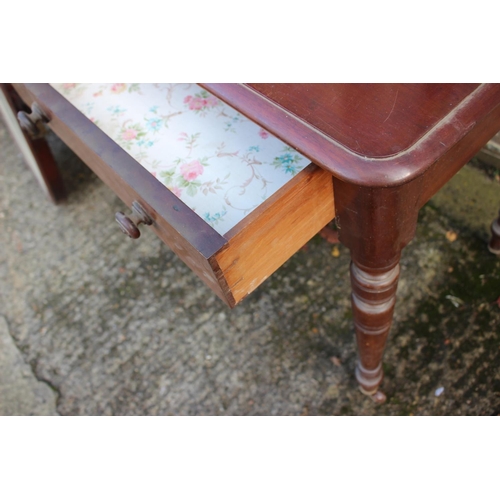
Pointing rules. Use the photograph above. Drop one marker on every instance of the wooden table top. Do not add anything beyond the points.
(370, 120)
(370, 134)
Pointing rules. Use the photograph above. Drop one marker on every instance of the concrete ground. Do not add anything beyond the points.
(92, 323)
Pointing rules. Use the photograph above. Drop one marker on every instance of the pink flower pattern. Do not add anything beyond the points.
(201, 101)
(190, 171)
(208, 155)
(118, 88)
(129, 134)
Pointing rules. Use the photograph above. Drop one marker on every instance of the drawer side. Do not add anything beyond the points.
(268, 237)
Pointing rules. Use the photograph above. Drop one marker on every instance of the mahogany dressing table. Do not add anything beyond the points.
(378, 152)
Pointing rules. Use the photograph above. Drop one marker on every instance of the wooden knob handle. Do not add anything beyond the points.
(128, 225)
(32, 123)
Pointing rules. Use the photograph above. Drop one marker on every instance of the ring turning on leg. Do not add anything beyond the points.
(373, 300)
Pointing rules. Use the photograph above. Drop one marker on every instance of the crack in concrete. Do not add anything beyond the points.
(22, 392)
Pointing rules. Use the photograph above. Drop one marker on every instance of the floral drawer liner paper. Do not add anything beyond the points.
(219, 163)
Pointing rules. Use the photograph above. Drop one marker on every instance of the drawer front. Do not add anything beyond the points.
(189, 237)
(231, 265)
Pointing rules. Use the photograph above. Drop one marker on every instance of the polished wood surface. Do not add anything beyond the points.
(351, 135)
(385, 149)
(389, 149)
(372, 120)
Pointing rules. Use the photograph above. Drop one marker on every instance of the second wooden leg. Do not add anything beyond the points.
(494, 244)
(36, 152)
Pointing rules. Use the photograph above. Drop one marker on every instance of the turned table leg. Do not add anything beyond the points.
(494, 244)
(373, 299)
(375, 224)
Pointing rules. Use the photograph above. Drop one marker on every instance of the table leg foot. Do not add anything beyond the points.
(494, 244)
(378, 397)
(369, 381)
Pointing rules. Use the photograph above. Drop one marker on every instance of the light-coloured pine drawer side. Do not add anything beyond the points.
(268, 237)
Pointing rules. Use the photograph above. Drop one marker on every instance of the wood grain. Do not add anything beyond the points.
(192, 239)
(383, 150)
(373, 120)
(271, 234)
(233, 265)
(443, 129)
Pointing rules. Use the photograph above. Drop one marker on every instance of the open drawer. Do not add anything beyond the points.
(232, 202)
